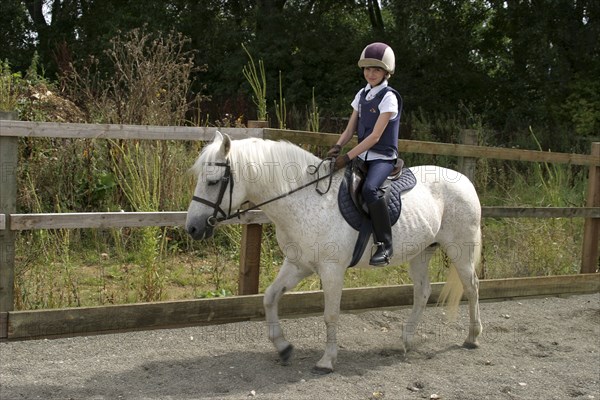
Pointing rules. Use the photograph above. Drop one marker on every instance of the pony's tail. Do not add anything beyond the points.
(451, 293)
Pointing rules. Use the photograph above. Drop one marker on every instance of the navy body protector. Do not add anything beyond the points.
(368, 112)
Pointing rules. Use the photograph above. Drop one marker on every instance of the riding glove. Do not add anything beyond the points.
(334, 151)
(341, 162)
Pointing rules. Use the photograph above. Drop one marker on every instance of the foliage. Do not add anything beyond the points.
(151, 87)
(9, 87)
(582, 107)
(16, 30)
(516, 64)
(149, 81)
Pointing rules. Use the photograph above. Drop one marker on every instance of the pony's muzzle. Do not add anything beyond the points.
(199, 230)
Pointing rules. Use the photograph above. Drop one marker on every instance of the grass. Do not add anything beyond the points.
(532, 247)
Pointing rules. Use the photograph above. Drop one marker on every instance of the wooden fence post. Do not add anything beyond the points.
(250, 247)
(591, 237)
(467, 165)
(8, 205)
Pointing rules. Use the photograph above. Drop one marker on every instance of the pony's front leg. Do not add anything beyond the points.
(333, 282)
(288, 277)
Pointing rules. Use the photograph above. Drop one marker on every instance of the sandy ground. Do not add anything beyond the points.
(545, 348)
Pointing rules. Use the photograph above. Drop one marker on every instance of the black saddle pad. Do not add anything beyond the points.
(354, 216)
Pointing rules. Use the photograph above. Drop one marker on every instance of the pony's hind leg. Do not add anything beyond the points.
(422, 290)
(465, 264)
(288, 277)
(471, 285)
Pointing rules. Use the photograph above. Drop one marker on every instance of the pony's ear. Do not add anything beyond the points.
(225, 142)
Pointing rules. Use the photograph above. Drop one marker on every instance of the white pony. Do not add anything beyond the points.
(441, 210)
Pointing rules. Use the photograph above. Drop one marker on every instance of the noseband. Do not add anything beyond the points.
(215, 218)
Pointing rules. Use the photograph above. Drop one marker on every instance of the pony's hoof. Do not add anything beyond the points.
(470, 345)
(406, 347)
(321, 370)
(286, 354)
(404, 350)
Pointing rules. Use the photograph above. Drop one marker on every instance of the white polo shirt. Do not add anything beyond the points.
(389, 103)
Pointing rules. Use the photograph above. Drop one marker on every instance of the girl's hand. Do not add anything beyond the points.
(334, 151)
(341, 162)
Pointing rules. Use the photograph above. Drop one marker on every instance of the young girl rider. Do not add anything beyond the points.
(376, 118)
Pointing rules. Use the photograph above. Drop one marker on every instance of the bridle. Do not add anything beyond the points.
(214, 219)
(226, 179)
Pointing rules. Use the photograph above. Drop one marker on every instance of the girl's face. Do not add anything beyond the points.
(374, 75)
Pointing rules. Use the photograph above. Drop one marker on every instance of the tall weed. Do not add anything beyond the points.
(280, 108)
(555, 182)
(10, 83)
(150, 86)
(256, 77)
(44, 273)
(314, 115)
(138, 173)
(149, 83)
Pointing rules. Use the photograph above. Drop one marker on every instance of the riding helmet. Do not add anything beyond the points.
(378, 55)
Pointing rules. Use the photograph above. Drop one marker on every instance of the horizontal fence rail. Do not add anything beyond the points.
(112, 131)
(447, 149)
(37, 324)
(23, 222)
(143, 132)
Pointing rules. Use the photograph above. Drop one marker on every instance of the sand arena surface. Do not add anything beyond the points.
(542, 348)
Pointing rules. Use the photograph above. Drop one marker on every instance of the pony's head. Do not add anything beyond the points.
(214, 197)
(232, 172)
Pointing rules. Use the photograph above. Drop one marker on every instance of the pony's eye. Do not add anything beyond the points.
(212, 183)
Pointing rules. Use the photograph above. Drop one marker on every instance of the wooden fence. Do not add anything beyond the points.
(44, 323)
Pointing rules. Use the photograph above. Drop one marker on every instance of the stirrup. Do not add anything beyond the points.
(386, 256)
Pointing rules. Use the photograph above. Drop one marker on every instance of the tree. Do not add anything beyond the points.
(548, 52)
(514, 63)
(374, 11)
(53, 28)
(17, 44)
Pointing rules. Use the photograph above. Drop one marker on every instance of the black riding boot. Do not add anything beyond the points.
(382, 231)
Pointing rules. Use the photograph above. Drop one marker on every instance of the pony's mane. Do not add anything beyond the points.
(281, 163)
